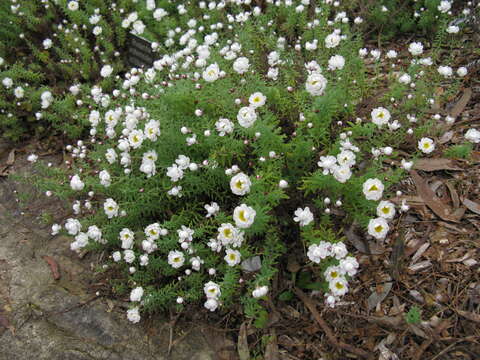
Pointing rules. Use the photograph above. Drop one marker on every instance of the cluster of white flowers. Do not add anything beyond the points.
(340, 166)
(378, 227)
(335, 275)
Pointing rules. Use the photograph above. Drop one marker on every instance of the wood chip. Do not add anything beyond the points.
(420, 266)
(471, 205)
(420, 252)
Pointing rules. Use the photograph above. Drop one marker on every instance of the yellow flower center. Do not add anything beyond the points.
(227, 233)
(381, 115)
(177, 259)
(386, 210)
(378, 228)
(239, 184)
(339, 286)
(333, 274)
(373, 188)
(232, 257)
(241, 215)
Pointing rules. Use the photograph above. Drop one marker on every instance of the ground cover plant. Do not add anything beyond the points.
(262, 131)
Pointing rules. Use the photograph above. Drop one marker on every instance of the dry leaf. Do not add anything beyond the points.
(431, 200)
(4, 321)
(446, 137)
(469, 315)
(377, 297)
(360, 244)
(356, 240)
(420, 251)
(398, 253)
(11, 157)
(53, 266)
(435, 164)
(471, 205)
(462, 103)
(242, 344)
(420, 266)
(453, 194)
(393, 321)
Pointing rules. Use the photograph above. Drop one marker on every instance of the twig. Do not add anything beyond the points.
(328, 332)
(80, 304)
(170, 340)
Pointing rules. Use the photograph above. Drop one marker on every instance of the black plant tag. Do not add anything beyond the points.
(140, 53)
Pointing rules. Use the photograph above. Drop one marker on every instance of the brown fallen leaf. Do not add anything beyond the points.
(4, 322)
(436, 164)
(469, 315)
(360, 244)
(461, 103)
(471, 205)
(242, 343)
(398, 253)
(377, 297)
(53, 266)
(445, 138)
(4, 170)
(453, 194)
(442, 210)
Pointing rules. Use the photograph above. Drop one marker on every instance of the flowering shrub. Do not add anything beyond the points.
(389, 18)
(49, 53)
(253, 136)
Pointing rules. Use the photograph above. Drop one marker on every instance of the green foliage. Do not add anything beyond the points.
(414, 315)
(390, 18)
(71, 59)
(462, 151)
